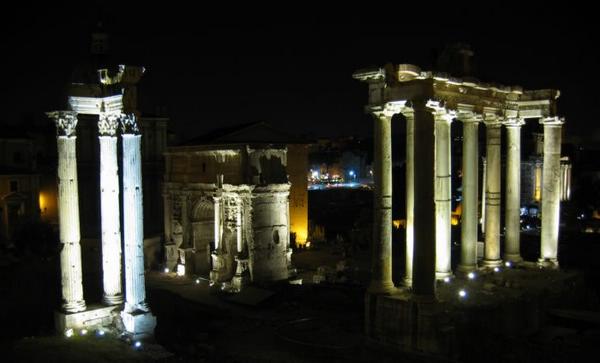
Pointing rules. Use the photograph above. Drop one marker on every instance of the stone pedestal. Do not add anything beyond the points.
(92, 318)
(242, 274)
(139, 324)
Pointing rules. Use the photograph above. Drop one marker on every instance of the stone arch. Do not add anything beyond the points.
(203, 221)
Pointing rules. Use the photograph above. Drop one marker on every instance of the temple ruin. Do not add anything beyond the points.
(430, 102)
(112, 99)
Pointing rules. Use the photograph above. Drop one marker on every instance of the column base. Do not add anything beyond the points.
(74, 306)
(465, 269)
(514, 258)
(492, 263)
(381, 287)
(549, 263)
(95, 316)
(442, 275)
(139, 324)
(407, 282)
(112, 299)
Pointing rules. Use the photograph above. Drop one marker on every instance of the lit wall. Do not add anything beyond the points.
(297, 166)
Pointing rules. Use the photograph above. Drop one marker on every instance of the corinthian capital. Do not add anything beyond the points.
(129, 124)
(66, 122)
(108, 123)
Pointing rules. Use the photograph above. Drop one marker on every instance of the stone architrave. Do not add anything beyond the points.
(551, 192)
(137, 318)
(68, 212)
(109, 206)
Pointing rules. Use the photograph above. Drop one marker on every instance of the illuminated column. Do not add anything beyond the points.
(443, 205)
(109, 207)
(512, 244)
(424, 208)
(470, 166)
(217, 224)
(551, 192)
(381, 270)
(491, 256)
(410, 195)
(135, 290)
(68, 212)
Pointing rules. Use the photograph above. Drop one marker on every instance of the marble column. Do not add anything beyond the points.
(135, 289)
(551, 192)
(512, 240)
(424, 208)
(470, 195)
(443, 194)
(68, 212)
(217, 224)
(491, 256)
(381, 270)
(109, 208)
(410, 195)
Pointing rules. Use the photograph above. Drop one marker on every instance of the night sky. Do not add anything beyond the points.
(292, 67)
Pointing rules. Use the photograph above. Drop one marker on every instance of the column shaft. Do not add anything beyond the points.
(424, 208)
(551, 193)
(492, 200)
(410, 196)
(443, 205)
(68, 218)
(381, 270)
(111, 224)
(512, 243)
(135, 286)
(217, 223)
(470, 172)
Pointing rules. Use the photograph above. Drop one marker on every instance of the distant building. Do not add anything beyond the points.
(234, 199)
(19, 184)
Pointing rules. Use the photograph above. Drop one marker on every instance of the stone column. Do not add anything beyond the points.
(68, 212)
(470, 195)
(424, 208)
(217, 224)
(109, 208)
(381, 269)
(443, 194)
(167, 217)
(551, 192)
(512, 240)
(410, 194)
(491, 256)
(135, 290)
(136, 315)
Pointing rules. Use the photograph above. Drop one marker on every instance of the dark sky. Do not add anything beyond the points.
(292, 66)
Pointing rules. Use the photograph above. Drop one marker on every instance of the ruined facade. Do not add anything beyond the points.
(227, 207)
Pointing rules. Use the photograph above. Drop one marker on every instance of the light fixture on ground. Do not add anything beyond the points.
(496, 269)
(83, 331)
(471, 275)
(166, 270)
(462, 293)
(197, 281)
(69, 333)
(446, 279)
(137, 344)
(508, 264)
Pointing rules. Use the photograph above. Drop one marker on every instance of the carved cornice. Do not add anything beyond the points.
(552, 121)
(108, 123)
(66, 122)
(129, 124)
(514, 122)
